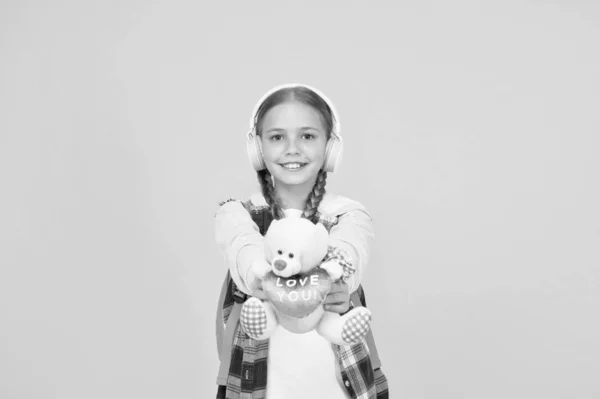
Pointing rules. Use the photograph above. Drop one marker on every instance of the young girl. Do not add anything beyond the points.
(294, 141)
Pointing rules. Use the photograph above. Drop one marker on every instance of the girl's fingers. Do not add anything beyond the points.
(339, 286)
(337, 308)
(259, 293)
(337, 298)
(339, 290)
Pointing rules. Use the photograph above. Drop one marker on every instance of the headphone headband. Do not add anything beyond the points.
(336, 121)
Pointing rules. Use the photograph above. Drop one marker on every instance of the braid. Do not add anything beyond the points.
(315, 197)
(268, 191)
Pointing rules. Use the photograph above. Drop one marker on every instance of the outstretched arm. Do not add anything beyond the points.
(240, 242)
(353, 236)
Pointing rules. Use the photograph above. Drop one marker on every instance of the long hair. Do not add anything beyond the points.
(308, 97)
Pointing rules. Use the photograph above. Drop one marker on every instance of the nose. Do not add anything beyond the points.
(280, 264)
(292, 146)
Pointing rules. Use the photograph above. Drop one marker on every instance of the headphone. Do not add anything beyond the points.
(333, 151)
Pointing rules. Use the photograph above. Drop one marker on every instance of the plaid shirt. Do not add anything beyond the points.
(247, 377)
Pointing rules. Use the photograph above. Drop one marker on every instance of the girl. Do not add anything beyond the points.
(294, 141)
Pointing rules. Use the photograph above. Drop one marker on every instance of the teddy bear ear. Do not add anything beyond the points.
(272, 227)
(322, 231)
(268, 251)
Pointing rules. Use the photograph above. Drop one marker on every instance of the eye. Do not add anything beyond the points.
(308, 136)
(291, 255)
(275, 137)
(280, 252)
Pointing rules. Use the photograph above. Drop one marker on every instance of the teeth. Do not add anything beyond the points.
(291, 165)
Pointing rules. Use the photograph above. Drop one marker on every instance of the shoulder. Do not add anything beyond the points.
(257, 200)
(254, 203)
(335, 205)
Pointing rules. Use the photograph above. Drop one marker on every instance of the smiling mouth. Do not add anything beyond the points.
(292, 165)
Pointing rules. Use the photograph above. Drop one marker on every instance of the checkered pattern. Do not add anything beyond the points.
(356, 327)
(248, 371)
(343, 259)
(226, 201)
(253, 318)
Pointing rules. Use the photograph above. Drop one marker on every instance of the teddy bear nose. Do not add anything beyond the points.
(280, 264)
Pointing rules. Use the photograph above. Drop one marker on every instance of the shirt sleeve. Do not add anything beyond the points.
(353, 234)
(239, 241)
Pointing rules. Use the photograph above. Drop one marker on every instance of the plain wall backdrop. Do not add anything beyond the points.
(471, 134)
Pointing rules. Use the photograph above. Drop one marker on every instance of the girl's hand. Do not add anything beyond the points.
(338, 299)
(255, 286)
(259, 268)
(257, 272)
(259, 293)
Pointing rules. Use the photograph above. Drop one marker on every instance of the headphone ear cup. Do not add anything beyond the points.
(333, 154)
(254, 149)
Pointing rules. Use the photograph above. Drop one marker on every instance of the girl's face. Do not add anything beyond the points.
(293, 139)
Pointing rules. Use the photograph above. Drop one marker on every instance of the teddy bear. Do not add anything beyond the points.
(296, 283)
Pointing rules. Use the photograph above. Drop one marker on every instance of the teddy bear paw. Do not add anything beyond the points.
(333, 268)
(253, 318)
(356, 327)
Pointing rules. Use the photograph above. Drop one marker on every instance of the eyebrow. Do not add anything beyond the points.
(275, 130)
(310, 128)
(281, 130)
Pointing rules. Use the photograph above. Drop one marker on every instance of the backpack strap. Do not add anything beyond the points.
(219, 322)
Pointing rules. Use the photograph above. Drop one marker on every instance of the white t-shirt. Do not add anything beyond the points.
(302, 365)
